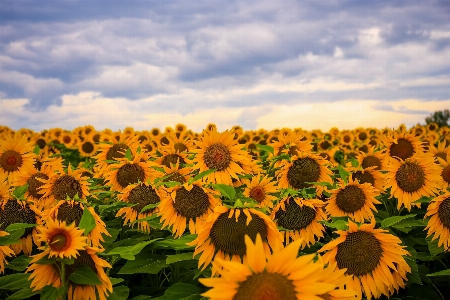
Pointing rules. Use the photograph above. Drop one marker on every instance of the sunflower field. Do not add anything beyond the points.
(260, 215)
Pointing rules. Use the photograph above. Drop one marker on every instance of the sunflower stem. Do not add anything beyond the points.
(63, 281)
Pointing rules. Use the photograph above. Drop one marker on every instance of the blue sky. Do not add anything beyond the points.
(258, 64)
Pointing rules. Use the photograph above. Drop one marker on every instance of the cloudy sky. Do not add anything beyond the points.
(259, 64)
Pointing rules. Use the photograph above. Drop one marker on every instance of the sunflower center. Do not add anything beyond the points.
(175, 176)
(66, 185)
(70, 213)
(362, 136)
(410, 177)
(295, 217)
(347, 139)
(58, 242)
(179, 147)
(403, 149)
(191, 204)
(15, 212)
(142, 196)
(228, 235)
(84, 259)
(87, 147)
(303, 170)
(11, 161)
(360, 253)
(257, 193)
(66, 139)
(117, 151)
(172, 159)
(324, 145)
(363, 177)
(34, 184)
(129, 174)
(217, 156)
(371, 161)
(444, 212)
(266, 286)
(350, 199)
(446, 174)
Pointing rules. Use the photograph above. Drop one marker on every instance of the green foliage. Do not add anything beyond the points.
(439, 117)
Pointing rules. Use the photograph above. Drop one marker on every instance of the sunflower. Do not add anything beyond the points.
(68, 139)
(372, 158)
(261, 189)
(219, 151)
(401, 145)
(87, 147)
(291, 143)
(441, 151)
(223, 234)
(439, 223)
(179, 141)
(362, 135)
(303, 169)
(281, 276)
(445, 172)
(373, 258)
(300, 219)
(16, 156)
(43, 275)
(4, 186)
(140, 194)
(4, 251)
(61, 240)
(413, 178)
(368, 175)
(187, 204)
(346, 138)
(170, 156)
(116, 148)
(353, 199)
(126, 172)
(432, 126)
(63, 184)
(71, 211)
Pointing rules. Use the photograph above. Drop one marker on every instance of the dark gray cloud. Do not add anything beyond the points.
(251, 52)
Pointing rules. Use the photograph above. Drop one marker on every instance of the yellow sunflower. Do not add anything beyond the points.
(87, 147)
(4, 186)
(439, 223)
(401, 145)
(126, 172)
(281, 276)
(140, 194)
(4, 251)
(179, 142)
(353, 199)
(368, 175)
(223, 234)
(373, 258)
(304, 168)
(43, 275)
(346, 138)
(300, 219)
(372, 158)
(16, 211)
(16, 156)
(62, 184)
(261, 189)
(60, 240)
(170, 156)
(291, 143)
(413, 178)
(441, 151)
(71, 211)
(445, 172)
(187, 205)
(219, 151)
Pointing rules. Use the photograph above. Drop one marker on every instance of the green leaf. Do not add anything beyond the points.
(19, 264)
(434, 248)
(84, 275)
(343, 173)
(338, 224)
(51, 293)
(414, 276)
(354, 162)
(176, 244)
(18, 226)
(388, 222)
(226, 190)
(128, 252)
(203, 174)
(14, 281)
(20, 191)
(66, 260)
(119, 293)
(424, 199)
(181, 291)
(266, 148)
(87, 221)
(179, 257)
(115, 281)
(36, 150)
(25, 293)
(151, 264)
(12, 238)
(149, 206)
(128, 154)
(440, 273)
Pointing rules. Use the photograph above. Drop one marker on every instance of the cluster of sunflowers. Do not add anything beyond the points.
(281, 214)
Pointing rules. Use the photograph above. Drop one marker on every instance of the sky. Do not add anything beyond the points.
(258, 64)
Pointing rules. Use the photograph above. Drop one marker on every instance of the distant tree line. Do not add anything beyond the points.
(439, 117)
